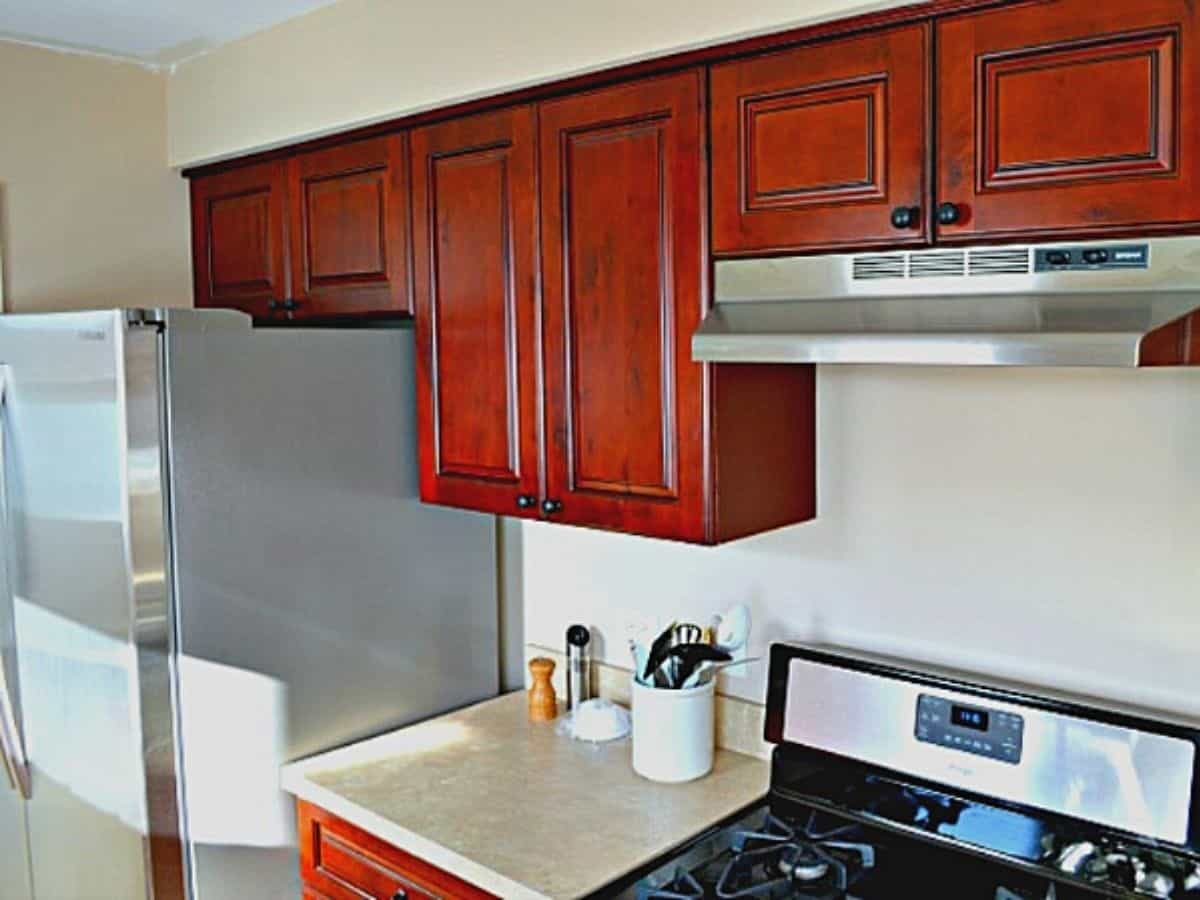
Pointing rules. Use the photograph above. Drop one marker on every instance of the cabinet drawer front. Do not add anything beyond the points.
(475, 229)
(815, 148)
(622, 196)
(1074, 117)
(343, 862)
(239, 239)
(349, 212)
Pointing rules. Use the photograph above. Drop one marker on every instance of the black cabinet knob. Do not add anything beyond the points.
(948, 214)
(290, 305)
(526, 501)
(401, 894)
(905, 216)
(550, 507)
(272, 305)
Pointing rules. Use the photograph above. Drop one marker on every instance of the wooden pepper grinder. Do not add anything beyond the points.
(543, 702)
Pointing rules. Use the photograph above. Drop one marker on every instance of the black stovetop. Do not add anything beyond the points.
(868, 837)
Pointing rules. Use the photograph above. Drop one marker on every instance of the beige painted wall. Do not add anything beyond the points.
(359, 61)
(1040, 524)
(90, 214)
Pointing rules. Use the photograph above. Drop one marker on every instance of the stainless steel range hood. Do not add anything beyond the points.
(1111, 303)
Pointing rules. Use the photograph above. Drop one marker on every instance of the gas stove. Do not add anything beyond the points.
(895, 783)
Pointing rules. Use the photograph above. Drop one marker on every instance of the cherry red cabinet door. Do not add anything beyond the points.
(349, 215)
(624, 258)
(475, 262)
(822, 147)
(340, 861)
(1075, 117)
(239, 238)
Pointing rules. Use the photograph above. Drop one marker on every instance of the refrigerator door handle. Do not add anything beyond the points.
(11, 746)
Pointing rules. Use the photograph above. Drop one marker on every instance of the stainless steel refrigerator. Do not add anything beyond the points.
(214, 561)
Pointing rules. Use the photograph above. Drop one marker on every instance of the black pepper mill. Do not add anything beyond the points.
(579, 666)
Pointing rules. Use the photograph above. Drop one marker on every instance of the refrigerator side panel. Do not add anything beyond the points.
(69, 546)
(318, 601)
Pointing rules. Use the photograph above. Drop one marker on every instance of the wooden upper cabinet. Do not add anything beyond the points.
(349, 228)
(623, 288)
(822, 147)
(239, 238)
(475, 263)
(1077, 117)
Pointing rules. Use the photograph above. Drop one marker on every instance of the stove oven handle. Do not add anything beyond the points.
(12, 748)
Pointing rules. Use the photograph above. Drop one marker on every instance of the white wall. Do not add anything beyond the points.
(360, 61)
(90, 215)
(1038, 524)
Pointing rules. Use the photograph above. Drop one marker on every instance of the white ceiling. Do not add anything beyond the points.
(155, 32)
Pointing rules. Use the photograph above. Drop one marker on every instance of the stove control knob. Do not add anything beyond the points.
(1155, 884)
(1073, 858)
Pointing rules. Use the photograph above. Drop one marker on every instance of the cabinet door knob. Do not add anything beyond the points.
(905, 216)
(290, 305)
(550, 507)
(272, 305)
(526, 501)
(948, 213)
(401, 894)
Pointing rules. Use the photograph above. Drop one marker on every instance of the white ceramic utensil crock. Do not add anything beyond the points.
(673, 732)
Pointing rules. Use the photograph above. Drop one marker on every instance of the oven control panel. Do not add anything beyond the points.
(969, 728)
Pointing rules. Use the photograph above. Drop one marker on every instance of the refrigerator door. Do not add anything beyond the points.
(14, 862)
(317, 600)
(72, 486)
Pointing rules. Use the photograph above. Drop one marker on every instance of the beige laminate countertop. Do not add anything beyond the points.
(515, 808)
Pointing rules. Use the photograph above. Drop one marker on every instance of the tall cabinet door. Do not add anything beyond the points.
(474, 229)
(624, 265)
(822, 147)
(1082, 116)
(350, 249)
(239, 238)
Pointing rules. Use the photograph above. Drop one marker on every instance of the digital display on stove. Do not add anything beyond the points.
(997, 734)
(965, 717)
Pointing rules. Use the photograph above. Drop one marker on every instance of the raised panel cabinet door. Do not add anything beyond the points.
(822, 147)
(239, 238)
(342, 862)
(624, 261)
(475, 252)
(349, 213)
(1077, 117)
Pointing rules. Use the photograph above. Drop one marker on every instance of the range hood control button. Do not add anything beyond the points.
(1058, 257)
(1095, 256)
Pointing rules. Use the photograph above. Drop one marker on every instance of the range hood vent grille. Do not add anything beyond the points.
(873, 266)
(1006, 261)
(942, 263)
(937, 264)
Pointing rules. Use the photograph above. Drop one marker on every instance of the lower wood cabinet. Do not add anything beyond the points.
(339, 861)
(586, 408)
